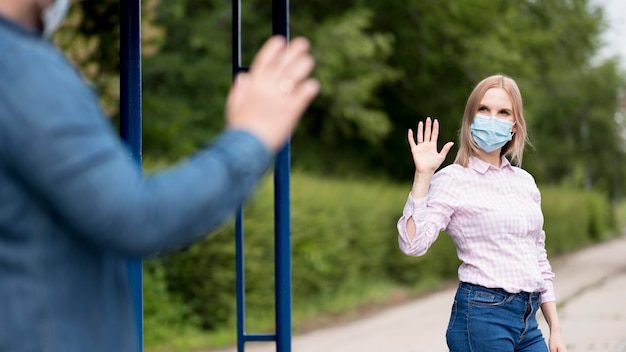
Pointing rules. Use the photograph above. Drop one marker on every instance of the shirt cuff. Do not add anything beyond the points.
(413, 205)
(548, 295)
(244, 151)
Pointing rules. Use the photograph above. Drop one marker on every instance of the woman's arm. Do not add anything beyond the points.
(421, 183)
(555, 343)
(427, 160)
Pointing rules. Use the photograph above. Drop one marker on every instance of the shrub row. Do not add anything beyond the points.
(343, 233)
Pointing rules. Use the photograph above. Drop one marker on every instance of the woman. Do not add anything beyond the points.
(492, 211)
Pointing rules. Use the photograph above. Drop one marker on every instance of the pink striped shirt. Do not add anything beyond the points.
(494, 217)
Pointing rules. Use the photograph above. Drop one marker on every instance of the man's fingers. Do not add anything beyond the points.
(268, 56)
(236, 92)
(277, 57)
(298, 68)
(297, 47)
(305, 92)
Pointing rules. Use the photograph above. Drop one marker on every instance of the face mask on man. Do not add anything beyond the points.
(53, 15)
(491, 133)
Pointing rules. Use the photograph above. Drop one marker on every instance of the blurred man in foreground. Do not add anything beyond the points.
(74, 207)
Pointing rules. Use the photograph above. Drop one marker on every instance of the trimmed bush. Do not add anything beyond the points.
(566, 219)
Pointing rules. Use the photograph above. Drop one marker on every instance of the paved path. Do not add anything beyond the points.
(591, 290)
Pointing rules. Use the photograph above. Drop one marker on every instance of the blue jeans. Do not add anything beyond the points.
(491, 319)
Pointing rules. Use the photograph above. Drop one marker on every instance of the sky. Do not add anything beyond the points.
(615, 35)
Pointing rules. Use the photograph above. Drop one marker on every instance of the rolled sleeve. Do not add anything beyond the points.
(428, 224)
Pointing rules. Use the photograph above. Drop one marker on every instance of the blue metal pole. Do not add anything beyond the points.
(282, 212)
(241, 289)
(130, 124)
(239, 242)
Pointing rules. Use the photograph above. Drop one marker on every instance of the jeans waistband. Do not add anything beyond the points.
(525, 296)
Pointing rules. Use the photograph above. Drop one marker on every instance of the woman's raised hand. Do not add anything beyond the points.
(425, 156)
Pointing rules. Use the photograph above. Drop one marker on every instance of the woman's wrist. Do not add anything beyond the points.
(421, 183)
(555, 329)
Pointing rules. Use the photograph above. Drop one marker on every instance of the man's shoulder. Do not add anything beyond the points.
(21, 52)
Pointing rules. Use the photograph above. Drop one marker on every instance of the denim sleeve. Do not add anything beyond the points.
(56, 140)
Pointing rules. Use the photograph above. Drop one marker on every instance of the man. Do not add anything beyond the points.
(74, 207)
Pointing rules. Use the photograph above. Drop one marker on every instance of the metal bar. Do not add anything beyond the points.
(241, 282)
(130, 125)
(236, 37)
(260, 337)
(282, 212)
(282, 250)
(282, 222)
(239, 240)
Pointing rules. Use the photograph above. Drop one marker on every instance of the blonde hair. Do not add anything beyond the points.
(515, 147)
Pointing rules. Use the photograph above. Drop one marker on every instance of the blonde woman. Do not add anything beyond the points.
(492, 211)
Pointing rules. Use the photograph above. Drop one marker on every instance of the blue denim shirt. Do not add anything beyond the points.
(74, 206)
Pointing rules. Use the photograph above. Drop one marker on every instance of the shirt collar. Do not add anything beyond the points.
(14, 26)
(482, 166)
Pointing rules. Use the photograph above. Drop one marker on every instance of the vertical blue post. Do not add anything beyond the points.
(130, 124)
(239, 252)
(242, 336)
(282, 212)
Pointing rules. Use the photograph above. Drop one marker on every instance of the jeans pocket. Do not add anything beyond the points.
(453, 315)
(488, 299)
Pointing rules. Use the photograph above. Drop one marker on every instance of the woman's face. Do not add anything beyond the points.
(496, 103)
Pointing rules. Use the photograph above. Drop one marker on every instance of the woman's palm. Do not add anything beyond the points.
(425, 155)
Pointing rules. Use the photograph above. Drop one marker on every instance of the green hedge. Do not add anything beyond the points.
(343, 236)
(575, 218)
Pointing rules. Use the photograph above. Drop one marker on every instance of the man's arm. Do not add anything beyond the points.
(56, 139)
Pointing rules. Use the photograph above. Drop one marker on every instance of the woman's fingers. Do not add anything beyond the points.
(410, 138)
(435, 133)
(428, 132)
(427, 129)
(446, 148)
(420, 132)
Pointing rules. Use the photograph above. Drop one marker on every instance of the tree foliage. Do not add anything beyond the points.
(383, 66)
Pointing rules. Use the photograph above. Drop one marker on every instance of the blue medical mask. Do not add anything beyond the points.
(53, 16)
(491, 133)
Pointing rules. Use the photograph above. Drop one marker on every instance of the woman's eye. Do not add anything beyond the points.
(482, 108)
(505, 113)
